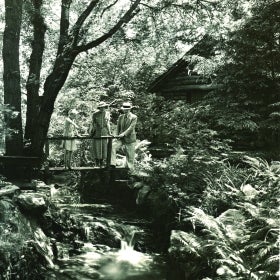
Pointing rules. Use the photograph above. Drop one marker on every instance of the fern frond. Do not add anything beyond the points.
(207, 221)
(188, 242)
(253, 162)
(275, 259)
(263, 252)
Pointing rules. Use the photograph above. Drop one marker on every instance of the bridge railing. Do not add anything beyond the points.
(81, 138)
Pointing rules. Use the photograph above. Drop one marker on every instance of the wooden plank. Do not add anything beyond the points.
(122, 180)
(78, 137)
(184, 76)
(19, 157)
(79, 168)
(189, 88)
(76, 168)
(20, 160)
(173, 83)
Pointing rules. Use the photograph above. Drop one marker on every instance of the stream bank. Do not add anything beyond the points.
(82, 235)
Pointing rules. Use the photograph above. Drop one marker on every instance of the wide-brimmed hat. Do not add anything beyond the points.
(102, 104)
(126, 106)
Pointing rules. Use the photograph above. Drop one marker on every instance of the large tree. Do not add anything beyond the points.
(71, 44)
(75, 37)
(11, 74)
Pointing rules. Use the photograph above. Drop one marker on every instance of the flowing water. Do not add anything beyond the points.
(117, 245)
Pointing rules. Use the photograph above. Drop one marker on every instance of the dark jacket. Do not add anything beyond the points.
(127, 127)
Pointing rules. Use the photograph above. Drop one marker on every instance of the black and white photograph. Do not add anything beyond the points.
(139, 139)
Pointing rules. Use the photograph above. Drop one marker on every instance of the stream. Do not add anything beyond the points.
(117, 245)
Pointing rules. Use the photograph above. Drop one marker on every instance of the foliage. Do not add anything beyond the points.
(182, 176)
(17, 257)
(205, 179)
(243, 245)
(160, 33)
(233, 210)
(245, 107)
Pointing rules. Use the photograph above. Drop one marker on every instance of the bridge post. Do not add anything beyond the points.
(47, 153)
(47, 148)
(109, 152)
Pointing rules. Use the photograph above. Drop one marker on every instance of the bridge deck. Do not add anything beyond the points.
(80, 168)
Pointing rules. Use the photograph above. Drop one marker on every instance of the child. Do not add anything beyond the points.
(70, 130)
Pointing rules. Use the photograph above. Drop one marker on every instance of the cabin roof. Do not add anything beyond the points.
(204, 48)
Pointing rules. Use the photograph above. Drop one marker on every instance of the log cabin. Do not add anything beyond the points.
(180, 82)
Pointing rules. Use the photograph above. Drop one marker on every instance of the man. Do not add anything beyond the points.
(126, 136)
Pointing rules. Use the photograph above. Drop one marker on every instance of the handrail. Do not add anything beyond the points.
(82, 137)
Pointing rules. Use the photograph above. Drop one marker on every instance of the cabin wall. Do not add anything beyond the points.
(183, 86)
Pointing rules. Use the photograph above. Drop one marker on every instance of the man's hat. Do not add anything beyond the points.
(126, 106)
(102, 104)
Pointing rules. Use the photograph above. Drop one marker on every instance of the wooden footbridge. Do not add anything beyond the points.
(27, 166)
(52, 161)
(81, 152)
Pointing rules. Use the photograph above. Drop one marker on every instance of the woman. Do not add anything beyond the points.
(70, 130)
(100, 126)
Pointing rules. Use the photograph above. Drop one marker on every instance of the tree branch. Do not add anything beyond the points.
(124, 19)
(148, 6)
(77, 26)
(64, 24)
(108, 7)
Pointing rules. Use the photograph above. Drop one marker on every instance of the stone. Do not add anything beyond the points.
(142, 194)
(249, 191)
(103, 232)
(32, 202)
(42, 245)
(9, 190)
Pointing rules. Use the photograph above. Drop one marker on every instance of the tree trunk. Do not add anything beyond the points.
(53, 84)
(11, 74)
(33, 81)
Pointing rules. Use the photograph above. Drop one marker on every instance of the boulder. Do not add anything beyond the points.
(9, 190)
(32, 202)
(42, 245)
(105, 233)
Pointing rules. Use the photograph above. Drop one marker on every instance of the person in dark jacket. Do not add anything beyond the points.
(126, 136)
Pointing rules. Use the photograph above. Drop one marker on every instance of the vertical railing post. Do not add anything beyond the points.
(109, 152)
(47, 148)
(47, 153)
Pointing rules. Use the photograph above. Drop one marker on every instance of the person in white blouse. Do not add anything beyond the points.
(69, 145)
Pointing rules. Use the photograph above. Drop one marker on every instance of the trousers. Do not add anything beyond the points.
(129, 153)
